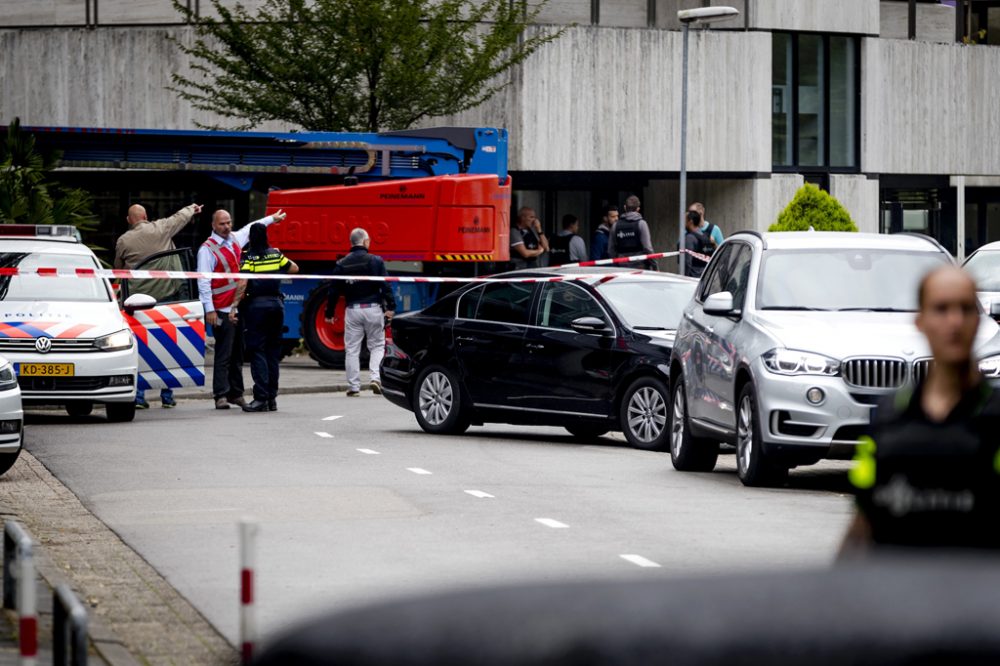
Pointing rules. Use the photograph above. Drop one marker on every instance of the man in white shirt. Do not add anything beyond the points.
(221, 254)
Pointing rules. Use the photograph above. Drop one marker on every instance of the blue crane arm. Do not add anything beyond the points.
(369, 156)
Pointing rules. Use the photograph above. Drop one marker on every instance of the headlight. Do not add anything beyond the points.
(793, 362)
(990, 367)
(8, 379)
(115, 341)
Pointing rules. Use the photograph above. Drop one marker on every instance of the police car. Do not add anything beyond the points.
(70, 344)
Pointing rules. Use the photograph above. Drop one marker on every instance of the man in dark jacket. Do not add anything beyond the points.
(369, 304)
(630, 236)
(602, 236)
(694, 241)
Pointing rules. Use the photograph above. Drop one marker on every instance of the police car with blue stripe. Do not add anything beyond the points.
(68, 341)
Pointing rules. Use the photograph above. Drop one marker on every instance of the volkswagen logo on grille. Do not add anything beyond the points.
(43, 345)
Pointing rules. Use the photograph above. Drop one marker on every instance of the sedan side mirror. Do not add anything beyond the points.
(137, 302)
(720, 304)
(590, 326)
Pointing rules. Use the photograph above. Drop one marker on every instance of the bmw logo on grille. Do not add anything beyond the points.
(43, 345)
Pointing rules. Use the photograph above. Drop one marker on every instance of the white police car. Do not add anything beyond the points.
(11, 417)
(69, 343)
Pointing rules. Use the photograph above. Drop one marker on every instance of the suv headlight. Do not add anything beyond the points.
(990, 367)
(8, 379)
(794, 362)
(115, 341)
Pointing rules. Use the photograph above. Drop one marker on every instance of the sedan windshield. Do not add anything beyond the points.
(985, 269)
(648, 305)
(44, 288)
(844, 279)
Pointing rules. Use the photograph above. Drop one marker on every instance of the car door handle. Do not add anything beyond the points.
(463, 338)
(532, 345)
(688, 315)
(192, 317)
(711, 329)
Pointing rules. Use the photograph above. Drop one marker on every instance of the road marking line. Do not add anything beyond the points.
(640, 561)
(332, 418)
(417, 470)
(479, 493)
(549, 522)
(325, 435)
(369, 452)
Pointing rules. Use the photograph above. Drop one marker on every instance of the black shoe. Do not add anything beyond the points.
(272, 405)
(256, 406)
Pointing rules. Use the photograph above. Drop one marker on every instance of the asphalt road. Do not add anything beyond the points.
(365, 505)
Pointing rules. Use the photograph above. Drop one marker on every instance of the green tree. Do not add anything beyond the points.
(28, 195)
(354, 65)
(812, 207)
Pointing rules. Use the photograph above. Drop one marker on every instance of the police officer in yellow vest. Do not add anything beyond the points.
(929, 476)
(264, 314)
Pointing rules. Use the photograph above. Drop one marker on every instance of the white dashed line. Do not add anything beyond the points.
(417, 470)
(369, 452)
(640, 561)
(325, 435)
(478, 493)
(332, 418)
(549, 522)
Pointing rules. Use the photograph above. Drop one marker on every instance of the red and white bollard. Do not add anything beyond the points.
(27, 605)
(248, 564)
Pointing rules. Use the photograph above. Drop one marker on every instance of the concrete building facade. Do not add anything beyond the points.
(879, 102)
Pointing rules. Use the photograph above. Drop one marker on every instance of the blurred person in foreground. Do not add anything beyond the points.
(929, 474)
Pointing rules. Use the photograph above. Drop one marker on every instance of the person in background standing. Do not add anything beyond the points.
(694, 241)
(220, 253)
(710, 231)
(527, 240)
(568, 247)
(370, 306)
(264, 317)
(630, 236)
(143, 239)
(599, 244)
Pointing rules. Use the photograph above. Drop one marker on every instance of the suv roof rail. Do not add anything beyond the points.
(753, 232)
(930, 239)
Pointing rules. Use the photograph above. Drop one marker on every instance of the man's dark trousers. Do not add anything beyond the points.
(264, 320)
(227, 377)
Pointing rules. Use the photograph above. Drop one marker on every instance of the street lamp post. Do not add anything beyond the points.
(687, 17)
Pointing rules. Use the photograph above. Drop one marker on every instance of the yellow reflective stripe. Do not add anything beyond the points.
(862, 475)
(996, 462)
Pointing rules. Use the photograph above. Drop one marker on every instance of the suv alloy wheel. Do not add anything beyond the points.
(688, 453)
(753, 465)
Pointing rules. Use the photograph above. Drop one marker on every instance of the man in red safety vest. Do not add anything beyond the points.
(221, 254)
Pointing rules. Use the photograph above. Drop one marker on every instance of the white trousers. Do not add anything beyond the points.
(359, 323)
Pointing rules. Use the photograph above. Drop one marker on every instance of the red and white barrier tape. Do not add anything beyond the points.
(116, 273)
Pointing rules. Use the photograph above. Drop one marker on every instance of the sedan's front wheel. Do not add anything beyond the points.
(644, 414)
(438, 402)
(688, 453)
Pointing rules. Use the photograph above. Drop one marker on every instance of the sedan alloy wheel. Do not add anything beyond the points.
(437, 398)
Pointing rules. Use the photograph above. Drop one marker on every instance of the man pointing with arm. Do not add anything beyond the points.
(221, 254)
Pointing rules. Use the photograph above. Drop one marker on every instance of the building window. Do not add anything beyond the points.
(814, 101)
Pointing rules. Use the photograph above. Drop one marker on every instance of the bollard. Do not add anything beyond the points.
(13, 536)
(248, 563)
(69, 625)
(26, 604)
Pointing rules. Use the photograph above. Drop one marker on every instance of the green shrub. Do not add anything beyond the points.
(812, 207)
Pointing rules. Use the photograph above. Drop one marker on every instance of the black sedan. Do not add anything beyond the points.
(591, 355)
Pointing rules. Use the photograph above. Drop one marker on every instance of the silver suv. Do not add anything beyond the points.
(790, 342)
